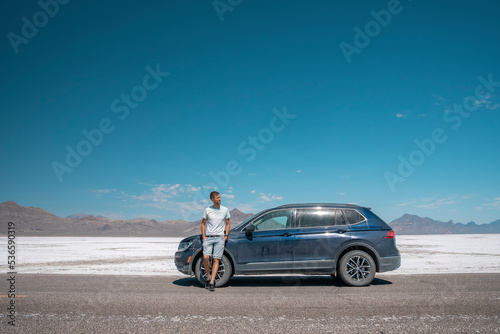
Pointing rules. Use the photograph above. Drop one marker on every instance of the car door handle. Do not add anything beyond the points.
(340, 231)
(286, 234)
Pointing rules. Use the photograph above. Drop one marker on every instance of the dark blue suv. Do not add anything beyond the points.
(343, 239)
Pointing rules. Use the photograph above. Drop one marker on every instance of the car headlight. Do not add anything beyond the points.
(184, 245)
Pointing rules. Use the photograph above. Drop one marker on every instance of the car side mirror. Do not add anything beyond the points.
(250, 228)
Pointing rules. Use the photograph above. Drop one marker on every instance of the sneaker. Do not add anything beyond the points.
(211, 287)
(207, 285)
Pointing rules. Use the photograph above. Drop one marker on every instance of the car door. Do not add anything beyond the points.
(269, 248)
(319, 234)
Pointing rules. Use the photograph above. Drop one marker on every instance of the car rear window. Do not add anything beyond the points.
(353, 216)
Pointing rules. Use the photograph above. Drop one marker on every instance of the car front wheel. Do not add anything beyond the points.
(223, 273)
(356, 268)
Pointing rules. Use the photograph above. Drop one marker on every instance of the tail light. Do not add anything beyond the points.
(390, 235)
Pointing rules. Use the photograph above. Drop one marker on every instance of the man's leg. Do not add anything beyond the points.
(217, 255)
(215, 268)
(208, 248)
(206, 263)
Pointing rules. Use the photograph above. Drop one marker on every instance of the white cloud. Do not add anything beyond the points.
(298, 171)
(431, 203)
(161, 193)
(487, 103)
(185, 209)
(145, 183)
(484, 102)
(177, 198)
(253, 191)
(270, 197)
(404, 114)
(99, 192)
(407, 203)
(103, 191)
(189, 188)
(437, 203)
(495, 203)
(439, 100)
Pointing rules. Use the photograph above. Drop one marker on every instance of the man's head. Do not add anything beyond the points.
(215, 197)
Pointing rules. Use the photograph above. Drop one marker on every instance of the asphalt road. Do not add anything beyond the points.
(451, 303)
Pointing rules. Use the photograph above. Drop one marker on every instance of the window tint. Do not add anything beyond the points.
(353, 216)
(320, 217)
(339, 217)
(274, 221)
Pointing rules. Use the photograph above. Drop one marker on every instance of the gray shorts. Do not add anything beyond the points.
(215, 244)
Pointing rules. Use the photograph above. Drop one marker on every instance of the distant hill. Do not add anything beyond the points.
(82, 215)
(32, 221)
(412, 224)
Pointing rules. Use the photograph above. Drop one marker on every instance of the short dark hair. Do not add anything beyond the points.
(213, 194)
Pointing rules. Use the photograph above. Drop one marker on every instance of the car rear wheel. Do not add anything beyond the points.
(356, 268)
(223, 275)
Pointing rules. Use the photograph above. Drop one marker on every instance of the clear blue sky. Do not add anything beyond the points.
(283, 101)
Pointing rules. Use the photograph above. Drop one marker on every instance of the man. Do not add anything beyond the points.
(214, 235)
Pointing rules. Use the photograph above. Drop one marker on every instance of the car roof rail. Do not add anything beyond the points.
(348, 205)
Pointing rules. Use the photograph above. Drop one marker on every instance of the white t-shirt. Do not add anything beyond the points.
(216, 220)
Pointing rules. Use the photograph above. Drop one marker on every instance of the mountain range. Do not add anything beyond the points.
(31, 221)
(412, 224)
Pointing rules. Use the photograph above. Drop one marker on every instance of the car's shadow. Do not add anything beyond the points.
(278, 281)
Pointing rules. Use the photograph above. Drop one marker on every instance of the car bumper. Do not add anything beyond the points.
(181, 262)
(389, 263)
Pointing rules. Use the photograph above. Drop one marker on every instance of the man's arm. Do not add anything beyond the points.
(203, 221)
(227, 229)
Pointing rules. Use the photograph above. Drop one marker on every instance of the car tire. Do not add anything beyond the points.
(223, 274)
(356, 268)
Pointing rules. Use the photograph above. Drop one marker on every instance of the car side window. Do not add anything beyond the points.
(339, 218)
(320, 217)
(353, 216)
(275, 220)
(316, 217)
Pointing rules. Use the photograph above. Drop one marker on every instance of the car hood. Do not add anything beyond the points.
(193, 237)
